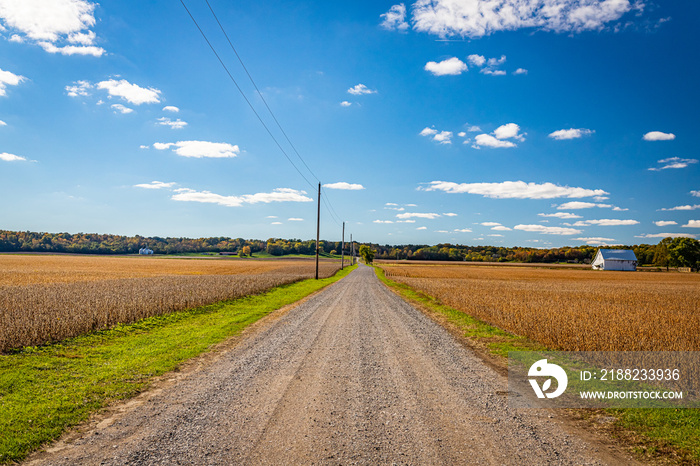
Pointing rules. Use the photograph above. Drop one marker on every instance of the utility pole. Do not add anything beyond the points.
(352, 254)
(342, 249)
(318, 225)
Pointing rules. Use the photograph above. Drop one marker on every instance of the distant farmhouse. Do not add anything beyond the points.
(145, 251)
(615, 259)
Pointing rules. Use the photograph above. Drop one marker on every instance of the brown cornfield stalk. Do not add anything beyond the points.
(61, 307)
(574, 310)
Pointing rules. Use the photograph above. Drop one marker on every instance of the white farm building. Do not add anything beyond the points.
(615, 259)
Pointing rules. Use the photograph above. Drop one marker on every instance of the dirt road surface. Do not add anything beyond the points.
(353, 375)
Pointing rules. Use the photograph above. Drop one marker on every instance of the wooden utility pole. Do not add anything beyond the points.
(352, 254)
(318, 225)
(342, 249)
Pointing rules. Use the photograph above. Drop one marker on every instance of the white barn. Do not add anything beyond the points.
(145, 251)
(615, 259)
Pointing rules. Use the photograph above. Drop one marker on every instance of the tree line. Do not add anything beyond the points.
(670, 252)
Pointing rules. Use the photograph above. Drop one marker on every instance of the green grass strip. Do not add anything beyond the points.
(671, 434)
(45, 390)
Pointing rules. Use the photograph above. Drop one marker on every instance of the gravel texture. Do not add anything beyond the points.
(353, 375)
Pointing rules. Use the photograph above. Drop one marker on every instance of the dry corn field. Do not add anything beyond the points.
(574, 310)
(50, 298)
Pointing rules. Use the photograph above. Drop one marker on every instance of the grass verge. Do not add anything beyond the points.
(45, 390)
(664, 436)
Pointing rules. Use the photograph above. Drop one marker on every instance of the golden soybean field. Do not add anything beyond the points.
(570, 309)
(46, 298)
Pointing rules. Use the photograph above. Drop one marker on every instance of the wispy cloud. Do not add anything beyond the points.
(277, 195)
(429, 216)
(571, 133)
(513, 190)
(561, 215)
(5, 157)
(155, 185)
(361, 89)
(121, 109)
(673, 162)
(575, 205)
(200, 149)
(177, 124)
(547, 230)
(606, 222)
(595, 240)
(683, 207)
(7, 78)
(666, 235)
(344, 185)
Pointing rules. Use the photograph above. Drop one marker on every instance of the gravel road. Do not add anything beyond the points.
(353, 375)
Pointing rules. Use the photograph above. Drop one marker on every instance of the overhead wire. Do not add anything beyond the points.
(243, 94)
(327, 203)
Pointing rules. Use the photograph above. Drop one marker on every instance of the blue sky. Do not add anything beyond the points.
(519, 122)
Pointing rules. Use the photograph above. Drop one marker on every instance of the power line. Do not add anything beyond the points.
(258, 91)
(244, 96)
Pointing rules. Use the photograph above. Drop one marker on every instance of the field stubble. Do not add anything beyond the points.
(572, 310)
(51, 298)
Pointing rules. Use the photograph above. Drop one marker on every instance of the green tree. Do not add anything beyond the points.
(684, 252)
(661, 255)
(367, 254)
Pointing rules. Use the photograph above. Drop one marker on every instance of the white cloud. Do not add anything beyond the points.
(666, 235)
(2, 123)
(684, 207)
(490, 224)
(513, 190)
(462, 134)
(450, 214)
(475, 18)
(619, 209)
(276, 223)
(486, 140)
(405, 221)
(692, 224)
(395, 18)
(581, 205)
(344, 185)
(561, 215)
(295, 219)
(659, 136)
(673, 162)
(442, 137)
(71, 49)
(79, 88)
(493, 73)
(572, 133)
(177, 124)
(360, 89)
(121, 109)
(492, 64)
(605, 222)
(271, 216)
(477, 60)
(277, 195)
(441, 231)
(508, 131)
(155, 185)
(8, 78)
(143, 146)
(171, 108)
(463, 230)
(547, 230)
(382, 221)
(474, 129)
(595, 240)
(391, 203)
(52, 23)
(200, 149)
(4, 156)
(345, 103)
(500, 228)
(451, 66)
(132, 93)
(695, 193)
(16, 38)
(422, 228)
(430, 216)
(496, 236)
(663, 223)
(520, 71)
